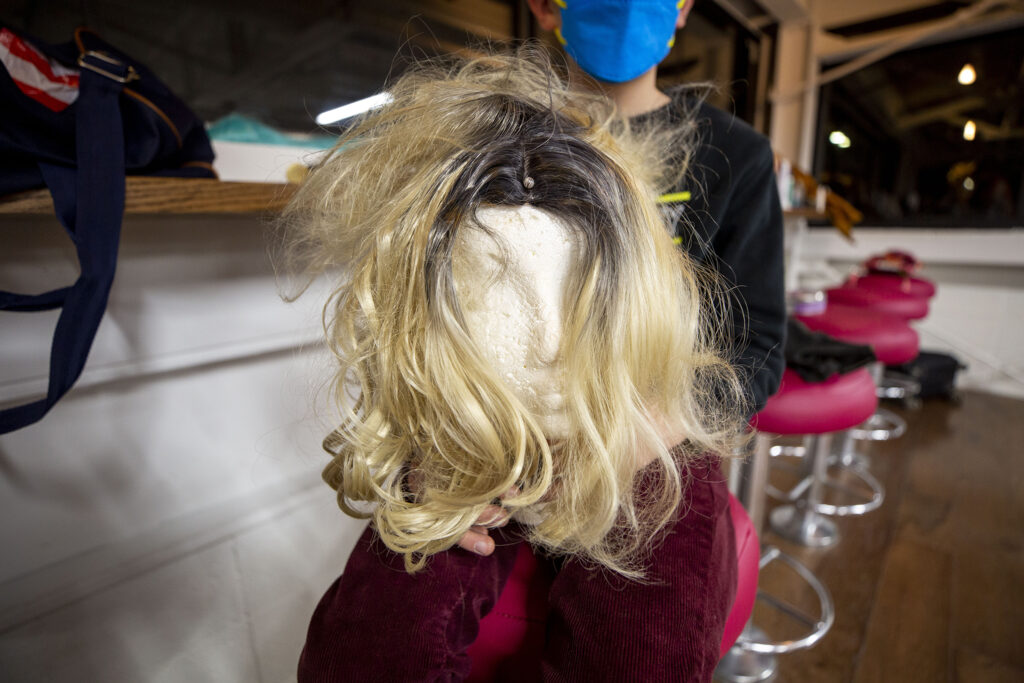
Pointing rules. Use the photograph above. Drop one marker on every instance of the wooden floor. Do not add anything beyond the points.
(929, 587)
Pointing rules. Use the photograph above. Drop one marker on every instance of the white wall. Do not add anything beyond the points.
(166, 521)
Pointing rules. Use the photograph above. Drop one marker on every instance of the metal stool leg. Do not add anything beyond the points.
(801, 522)
(846, 454)
(900, 387)
(884, 424)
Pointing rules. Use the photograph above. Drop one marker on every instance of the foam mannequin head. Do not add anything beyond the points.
(509, 279)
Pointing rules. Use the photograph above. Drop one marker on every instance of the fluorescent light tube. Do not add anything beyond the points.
(352, 109)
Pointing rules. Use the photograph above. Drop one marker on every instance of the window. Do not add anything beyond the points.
(911, 142)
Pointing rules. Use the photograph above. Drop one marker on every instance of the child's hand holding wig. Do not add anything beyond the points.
(513, 316)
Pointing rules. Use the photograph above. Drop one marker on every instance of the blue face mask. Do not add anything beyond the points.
(617, 40)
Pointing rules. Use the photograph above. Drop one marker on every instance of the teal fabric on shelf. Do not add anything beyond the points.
(242, 128)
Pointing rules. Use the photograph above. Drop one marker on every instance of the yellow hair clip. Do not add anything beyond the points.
(673, 197)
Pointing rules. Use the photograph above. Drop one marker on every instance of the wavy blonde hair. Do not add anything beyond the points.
(638, 355)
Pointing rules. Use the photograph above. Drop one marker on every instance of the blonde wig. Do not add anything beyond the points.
(430, 433)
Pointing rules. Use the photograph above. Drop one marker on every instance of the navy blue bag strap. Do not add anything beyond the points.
(89, 201)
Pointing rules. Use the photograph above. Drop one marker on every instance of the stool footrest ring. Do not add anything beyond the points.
(877, 495)
(898, 386)
(884, 425)
(852, 509)
(819, 625)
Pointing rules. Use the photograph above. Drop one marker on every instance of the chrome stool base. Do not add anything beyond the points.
(804, 526)
(745, 666)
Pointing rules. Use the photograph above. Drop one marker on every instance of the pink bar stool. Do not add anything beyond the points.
(893, 342)
(892, 275)
(896, 269)
(798, 408)
(511, 637)
(908, 284)
(880, 300)
(817, 410)
(890, 337)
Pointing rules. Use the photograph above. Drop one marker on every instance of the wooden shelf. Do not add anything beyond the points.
(146, 195)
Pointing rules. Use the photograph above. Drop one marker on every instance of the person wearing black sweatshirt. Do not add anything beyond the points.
(732, 219)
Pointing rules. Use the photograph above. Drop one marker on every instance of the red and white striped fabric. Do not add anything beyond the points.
(48, 82)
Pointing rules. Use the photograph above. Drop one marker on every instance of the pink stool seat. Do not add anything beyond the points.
(891, 338)
(892, 302)
(748, 561)
(511, 637)
(908, 284)
(800, 407)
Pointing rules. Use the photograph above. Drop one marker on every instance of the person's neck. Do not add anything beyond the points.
(637, 96)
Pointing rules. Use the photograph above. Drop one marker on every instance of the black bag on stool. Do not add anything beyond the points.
(76, 118)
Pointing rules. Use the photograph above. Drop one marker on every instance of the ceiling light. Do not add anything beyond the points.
(970, 130)
(969, 183)
(839, 139)
(967, 75)
(352, 109)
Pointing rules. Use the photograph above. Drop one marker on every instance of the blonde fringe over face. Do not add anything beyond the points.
(640, 363)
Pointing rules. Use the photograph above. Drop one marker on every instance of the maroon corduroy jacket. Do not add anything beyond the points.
(378, 623)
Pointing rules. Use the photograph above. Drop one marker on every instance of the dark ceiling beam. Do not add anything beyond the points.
(938, 113)
(986, 131)
(747, 14)
(967, 23)
(898, 20)
(786, 10)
